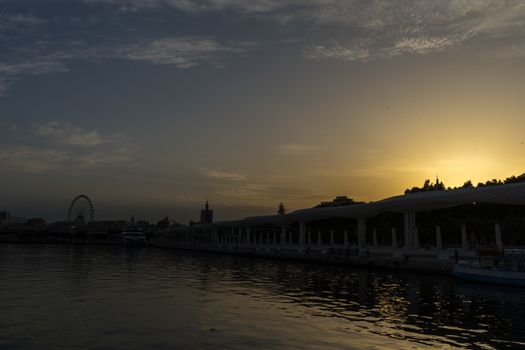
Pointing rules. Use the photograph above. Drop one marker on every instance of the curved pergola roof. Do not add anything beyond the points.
(421, 201)
(415, 202)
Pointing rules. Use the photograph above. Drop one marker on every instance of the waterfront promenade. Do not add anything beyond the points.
(424, 231)
(428, 231)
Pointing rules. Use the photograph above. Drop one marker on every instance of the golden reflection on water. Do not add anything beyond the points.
(100, 297)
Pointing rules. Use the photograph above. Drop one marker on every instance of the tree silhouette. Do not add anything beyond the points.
(281, 210)
(427, 186)
(467, 184)
(440, 186)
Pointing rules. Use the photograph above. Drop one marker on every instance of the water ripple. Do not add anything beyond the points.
(96, 297)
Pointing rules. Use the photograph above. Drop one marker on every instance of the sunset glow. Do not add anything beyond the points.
(270, 101)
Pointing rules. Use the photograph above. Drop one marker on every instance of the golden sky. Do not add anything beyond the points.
(150, 107)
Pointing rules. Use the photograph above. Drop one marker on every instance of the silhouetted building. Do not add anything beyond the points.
(109, 226)
(5, 218)
(206, 214)
(36, 222)
(338, 201)
(164, 223)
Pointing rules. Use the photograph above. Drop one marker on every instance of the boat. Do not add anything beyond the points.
(133, 235)
(490, 274)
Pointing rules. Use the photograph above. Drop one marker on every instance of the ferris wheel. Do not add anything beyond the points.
(81, 209)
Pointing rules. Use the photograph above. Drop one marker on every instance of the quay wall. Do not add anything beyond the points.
(435, 261)
(428, 260)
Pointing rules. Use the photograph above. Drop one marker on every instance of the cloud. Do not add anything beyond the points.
(346, 30)
(115, 156)
(374, 29)
(199, 6)
(388, 29)
(338, 52)
(240, 189)
(222, 175)
(23, 19)
(70, 135)
(297, 149)
(182, 52)
(63, 146)
(235, 187)
(47, 57)
(8, 126)
(11, 71)
(403, 15)
(247, 193)
(9, 22)
(265, 194)
(369, 50)
(423, 44)
(31, 159)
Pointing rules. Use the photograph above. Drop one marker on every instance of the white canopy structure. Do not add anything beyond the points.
(415, 202)
(513, 194)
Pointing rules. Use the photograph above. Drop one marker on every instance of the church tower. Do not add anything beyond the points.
(206, 214)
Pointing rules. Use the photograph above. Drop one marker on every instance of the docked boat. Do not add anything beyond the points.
(490, 274)
(133, 235)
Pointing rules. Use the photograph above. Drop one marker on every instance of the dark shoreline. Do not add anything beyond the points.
(369, 261)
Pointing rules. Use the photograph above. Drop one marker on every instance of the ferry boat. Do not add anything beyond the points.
(133, 235)
(512, 272)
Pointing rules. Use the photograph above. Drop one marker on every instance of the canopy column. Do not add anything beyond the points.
(410, 234)
(464, 241)
(394, 238)
(361, 232)
(439, 241)
(302, 231)
(499, 241)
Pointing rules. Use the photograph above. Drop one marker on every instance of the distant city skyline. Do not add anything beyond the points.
(152, 106)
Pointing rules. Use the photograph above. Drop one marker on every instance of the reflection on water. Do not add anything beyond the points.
(92, 297)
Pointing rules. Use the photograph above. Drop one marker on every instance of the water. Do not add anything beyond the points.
(100, 297)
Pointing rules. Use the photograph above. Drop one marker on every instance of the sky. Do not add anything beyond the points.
(150, 107)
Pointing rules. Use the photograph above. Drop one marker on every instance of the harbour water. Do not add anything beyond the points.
(110, 297)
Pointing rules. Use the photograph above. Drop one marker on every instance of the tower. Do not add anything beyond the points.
(206, 214)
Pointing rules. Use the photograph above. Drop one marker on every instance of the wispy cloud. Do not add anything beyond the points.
(31, 159)
(376, 29)
(183, 52)
(347, 30)
(51, 57)
(369, 50)
(295, 149)
(116, 156)
(198, 6)
(244, 192)
(223, 175)
(71, 135)
(57, 145)
(10, 71)
(8, 126)
(402, 15)
(24, 19)
(19, 21)
(236, 187)
(395, 28)
(339, 52)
